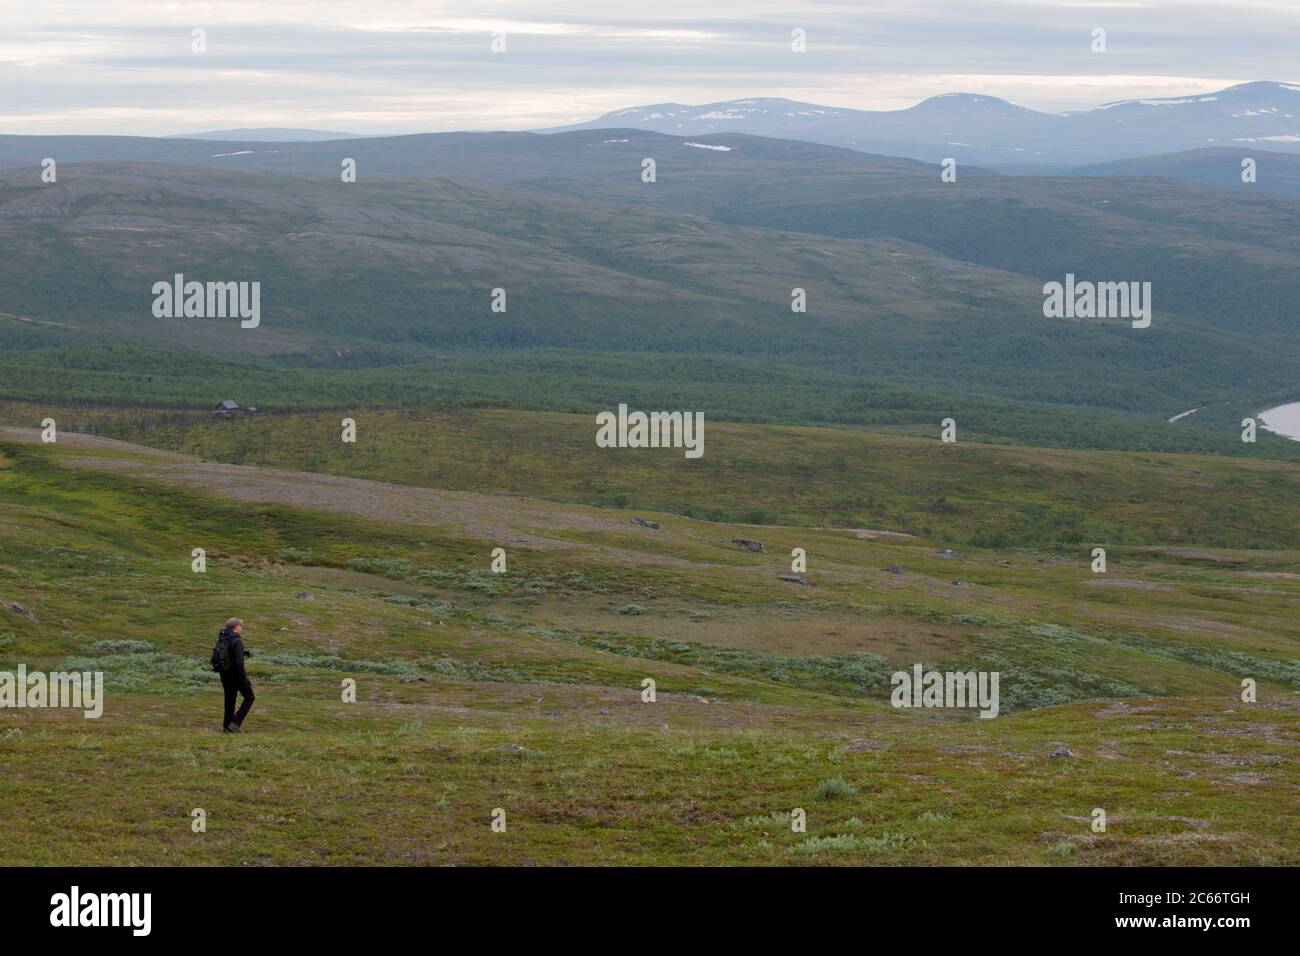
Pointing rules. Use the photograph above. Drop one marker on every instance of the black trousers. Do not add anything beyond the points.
(234, 684)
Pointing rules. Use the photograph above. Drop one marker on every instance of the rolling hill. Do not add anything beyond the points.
(931, 289)
(268, 134)
(1275, 172)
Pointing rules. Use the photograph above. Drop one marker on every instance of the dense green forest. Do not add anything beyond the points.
(924, 300)
(728, 388)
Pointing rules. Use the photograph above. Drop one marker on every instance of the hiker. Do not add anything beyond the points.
(228, 660)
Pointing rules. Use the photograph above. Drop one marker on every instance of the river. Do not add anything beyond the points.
(1283, 419)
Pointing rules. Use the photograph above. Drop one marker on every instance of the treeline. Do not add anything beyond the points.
(725, 388)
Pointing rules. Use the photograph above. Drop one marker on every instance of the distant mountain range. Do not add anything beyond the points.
(1209, 134)
(268, 134)
(970, 127)
(516, 158)
(990, 131)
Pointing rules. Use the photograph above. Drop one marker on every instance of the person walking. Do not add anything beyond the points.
(228, 660)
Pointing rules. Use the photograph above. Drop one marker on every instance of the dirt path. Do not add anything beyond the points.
(497, 519)
(92, 442)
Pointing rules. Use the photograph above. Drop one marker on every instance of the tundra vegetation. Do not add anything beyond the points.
(523, 690)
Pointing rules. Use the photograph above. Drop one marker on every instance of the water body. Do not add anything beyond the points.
(1284, 420)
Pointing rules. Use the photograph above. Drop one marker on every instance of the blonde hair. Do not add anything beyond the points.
(233, 623)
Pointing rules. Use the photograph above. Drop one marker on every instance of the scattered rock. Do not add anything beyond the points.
(946, 553)
(748, 545)
(1062, 752)
(958, 583)
(1192, 822)
(793, 579)
(646, 523)
(19, 609)
(895, 569)
(306, 596)
(602, 713)
(414, 680)
(867, 746)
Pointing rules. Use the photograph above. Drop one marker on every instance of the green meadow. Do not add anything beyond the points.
(522, 691)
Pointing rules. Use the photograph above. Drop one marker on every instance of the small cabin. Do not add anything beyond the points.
(231, 407)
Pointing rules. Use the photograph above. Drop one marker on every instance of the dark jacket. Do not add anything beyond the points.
(235, 645)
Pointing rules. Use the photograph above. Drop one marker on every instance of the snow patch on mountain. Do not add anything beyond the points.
(984, 129)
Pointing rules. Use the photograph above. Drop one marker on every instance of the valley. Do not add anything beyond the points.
(922, 297)
(748, 483)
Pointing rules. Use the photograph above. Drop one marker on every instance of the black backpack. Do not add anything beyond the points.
(221, 653)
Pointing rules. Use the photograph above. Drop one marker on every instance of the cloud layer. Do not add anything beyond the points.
(389, 66)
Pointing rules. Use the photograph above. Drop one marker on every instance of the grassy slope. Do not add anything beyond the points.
(963, 494)
(529, 698)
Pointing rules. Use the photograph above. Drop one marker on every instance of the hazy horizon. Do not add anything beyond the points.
(391, 67)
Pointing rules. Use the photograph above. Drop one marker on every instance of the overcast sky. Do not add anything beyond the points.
(389, 66)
